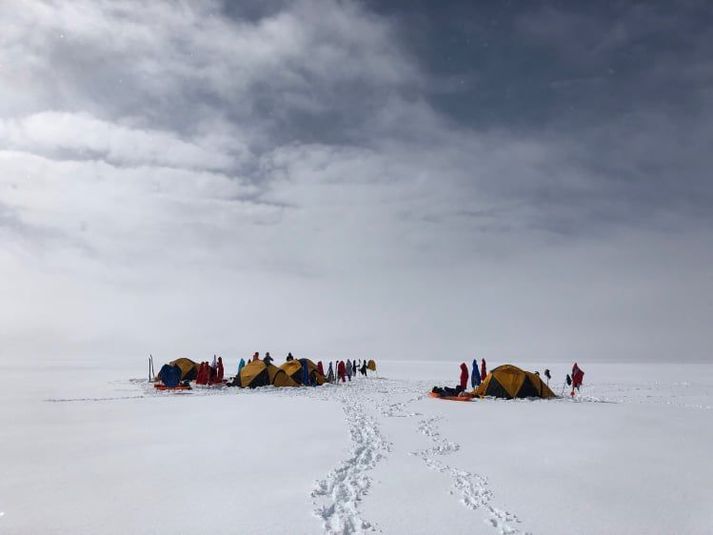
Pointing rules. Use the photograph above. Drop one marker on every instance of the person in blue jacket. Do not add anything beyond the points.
(241, 365)
(475, 375)
(305, 373)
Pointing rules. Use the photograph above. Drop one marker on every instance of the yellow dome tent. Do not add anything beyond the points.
(189, 369)
(257, 373)
(371, 365)
(293, 369)
(508, 381)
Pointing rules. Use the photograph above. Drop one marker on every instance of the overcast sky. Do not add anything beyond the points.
(399, 179)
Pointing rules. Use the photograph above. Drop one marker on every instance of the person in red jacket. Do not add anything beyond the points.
(221, 370)
(342, 371)
(320, 368)
(483, 369)
(463, 376)
(577, 378)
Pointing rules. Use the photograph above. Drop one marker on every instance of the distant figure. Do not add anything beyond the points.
(267, 359)
(475, 375)
(349, 370)
(463, 376)
(256, 356)
(289, 357)
(221, 370)
(577, 378)
(342, 371)
(306, 380)
(354, 368)
(241, 365)
(320, 368)
(547, 374)
(330, 373)
(483, 370)
(363, 368)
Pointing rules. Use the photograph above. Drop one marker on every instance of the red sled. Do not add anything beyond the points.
(160, 386)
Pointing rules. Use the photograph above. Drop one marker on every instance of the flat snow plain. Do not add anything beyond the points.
(90, 449)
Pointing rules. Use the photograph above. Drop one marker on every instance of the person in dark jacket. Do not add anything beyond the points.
(463, 376)
(354, 368)
(221, 370)
(475, 375)
(363, 368)
(306, 379)
(289, 357)
(330, 373)
(349, 370)
(267, 359)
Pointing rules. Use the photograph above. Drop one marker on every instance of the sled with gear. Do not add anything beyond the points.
(463, 396)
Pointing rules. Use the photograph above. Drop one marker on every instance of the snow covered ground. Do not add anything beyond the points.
(87, 449)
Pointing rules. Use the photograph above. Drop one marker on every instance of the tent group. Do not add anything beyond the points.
(291, 373)
(508, 381)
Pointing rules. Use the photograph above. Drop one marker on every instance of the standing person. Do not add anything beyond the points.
(256, 356)
(354, 368)
(342, 371)
(320, 368)
(330, 373)
(241, 365)
(577, 378)
(349, 370)
(221, 369)
(289, 357)
(306, 379)
(483, 369)
(475, 375)
(363, 368)
(267, 359)
(463, 376)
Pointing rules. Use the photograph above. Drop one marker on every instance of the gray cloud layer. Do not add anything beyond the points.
(325, 177)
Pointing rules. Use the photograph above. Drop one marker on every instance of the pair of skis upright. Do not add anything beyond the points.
(152, 374)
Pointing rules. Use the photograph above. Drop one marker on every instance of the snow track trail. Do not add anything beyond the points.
(473, 488)
(337, 496)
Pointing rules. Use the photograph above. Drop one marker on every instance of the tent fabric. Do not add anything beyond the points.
(278, 377)
(510, 382)
(371, 365)
(189, 369)
(293, 369)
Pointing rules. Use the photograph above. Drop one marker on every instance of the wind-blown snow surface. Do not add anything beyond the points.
(87, 450)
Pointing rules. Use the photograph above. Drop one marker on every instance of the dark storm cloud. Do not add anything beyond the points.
(621, 88)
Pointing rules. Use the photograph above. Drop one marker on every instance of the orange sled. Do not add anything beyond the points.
(468, 397)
